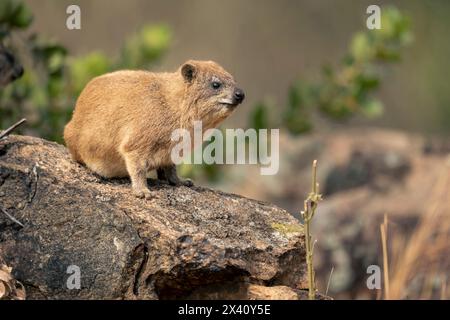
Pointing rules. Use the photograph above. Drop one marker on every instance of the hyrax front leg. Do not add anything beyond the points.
(170, 173)
(137, 169)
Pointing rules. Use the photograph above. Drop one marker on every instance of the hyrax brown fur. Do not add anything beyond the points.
(123, 121)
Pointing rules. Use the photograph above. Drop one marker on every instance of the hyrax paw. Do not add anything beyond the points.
(141, 194)
(186, 183)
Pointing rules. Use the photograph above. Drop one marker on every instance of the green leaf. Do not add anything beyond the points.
(259, 118)
(155, 40)
(22, 17)
(294, 98)
(361, 47)
(372, 108)
(85, 68)
(7, 7)
(366, 82)
(146, 47)
(297, 123)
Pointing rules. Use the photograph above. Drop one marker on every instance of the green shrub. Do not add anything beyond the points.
(348, 89)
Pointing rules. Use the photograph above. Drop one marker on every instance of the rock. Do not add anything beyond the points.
(249, 291)
(256, 292)
(183, 242)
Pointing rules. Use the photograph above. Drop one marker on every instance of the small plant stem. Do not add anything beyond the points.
(313, 178)
(310, 206)
(309, 261)
(329, 280)
(444, 288)
(383, 229)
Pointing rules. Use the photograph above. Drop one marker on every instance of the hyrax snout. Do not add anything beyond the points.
(123, 121)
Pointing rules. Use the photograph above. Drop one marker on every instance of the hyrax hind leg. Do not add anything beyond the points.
(137, 168)
(169, 173)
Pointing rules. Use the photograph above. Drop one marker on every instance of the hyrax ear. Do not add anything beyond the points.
(188, 71)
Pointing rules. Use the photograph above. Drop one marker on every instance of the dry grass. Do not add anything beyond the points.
(420, 264)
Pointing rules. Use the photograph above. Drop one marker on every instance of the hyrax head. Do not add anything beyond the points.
(211, 90)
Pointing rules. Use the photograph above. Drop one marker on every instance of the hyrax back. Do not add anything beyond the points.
(123, 121)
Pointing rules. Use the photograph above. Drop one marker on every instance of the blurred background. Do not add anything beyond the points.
(373, 106)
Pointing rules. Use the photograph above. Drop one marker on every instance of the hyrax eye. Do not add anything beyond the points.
(216, 85)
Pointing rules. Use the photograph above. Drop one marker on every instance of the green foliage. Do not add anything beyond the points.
(295, 116)
(146, 47)
(348, 89)
(85, 68)
(46, 93)
(13, 15)
(259, 117)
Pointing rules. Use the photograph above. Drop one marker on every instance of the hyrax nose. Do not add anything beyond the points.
(239, 95)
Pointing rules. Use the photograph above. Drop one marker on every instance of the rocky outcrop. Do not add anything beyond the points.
(59, 221)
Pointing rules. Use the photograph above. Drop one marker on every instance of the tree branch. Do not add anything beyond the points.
(12, 128)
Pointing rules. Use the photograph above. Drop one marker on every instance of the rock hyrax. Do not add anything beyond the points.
(123, 121)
